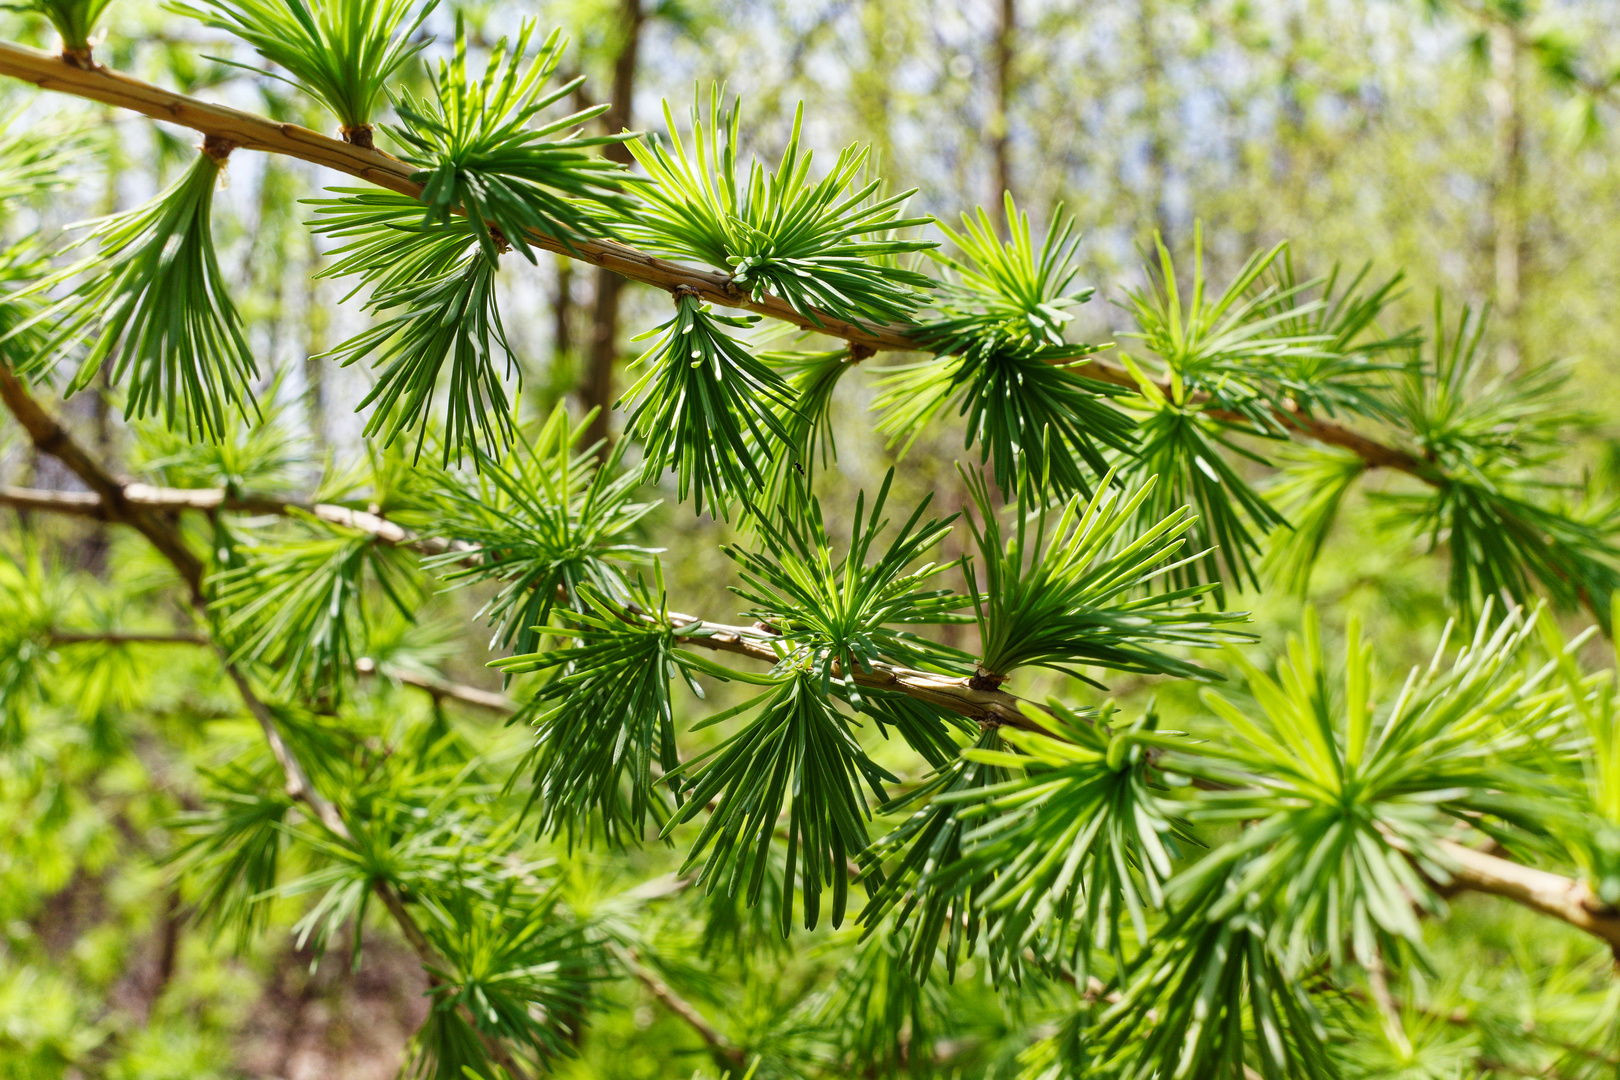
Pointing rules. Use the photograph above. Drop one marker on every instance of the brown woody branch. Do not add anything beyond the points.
(125, 637)
(948, 692)
(251, 132)
(114, 505)
(161, 500)
(1567, 899)
(440, 688)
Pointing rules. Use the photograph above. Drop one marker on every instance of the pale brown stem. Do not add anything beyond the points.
(1389, 1013)
(439, 688)
(1567, 899)
(146, 497)
(946, 691)
(725, 1052)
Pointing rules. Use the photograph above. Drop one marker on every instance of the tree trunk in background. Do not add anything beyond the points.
(1153, 108)
(93, 557)
(1000, 119)
(317, 316)
(1507, 119)
(871, 93)
(562, 312)
(596, 391)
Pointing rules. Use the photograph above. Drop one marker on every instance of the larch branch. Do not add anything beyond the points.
(1552, 894)
(1566, 899)
(115, 505)
(252, 132)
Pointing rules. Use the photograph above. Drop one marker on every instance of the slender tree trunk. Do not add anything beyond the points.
(562, 313)
(1000, 122)
(596, 391)
(1154, 94)
(1507, 218)
(872, 92)
(316, 319)
(97, 545)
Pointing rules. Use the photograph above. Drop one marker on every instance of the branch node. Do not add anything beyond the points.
(218, 147)
(358, 135)
(985, 680)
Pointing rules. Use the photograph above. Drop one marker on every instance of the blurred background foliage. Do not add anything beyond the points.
(1469, 143)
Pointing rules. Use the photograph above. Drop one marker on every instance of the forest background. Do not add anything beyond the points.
(1470, 144)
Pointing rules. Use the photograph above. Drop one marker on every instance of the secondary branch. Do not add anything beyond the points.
(1566, 899)
(51, 438)
(725, 1052)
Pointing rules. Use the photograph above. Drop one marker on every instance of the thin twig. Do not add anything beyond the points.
(125, 637)
(437, 687)
(725, 1052)
(1568, 899)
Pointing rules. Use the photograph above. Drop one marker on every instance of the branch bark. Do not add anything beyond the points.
(1566, 899)
(125, 637)
(440, 688)
(945, 691)
(167, 500)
